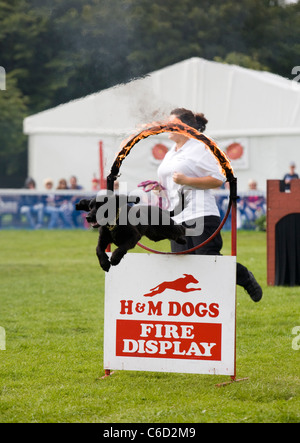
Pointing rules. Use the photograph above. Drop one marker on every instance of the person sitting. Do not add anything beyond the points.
(75, 217)
(291, 175)
(74, 184)
(252, 205)
(63, 204)
(31, 205)
(49, 204)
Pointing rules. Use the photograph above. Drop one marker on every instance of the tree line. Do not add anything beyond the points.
(54, 51)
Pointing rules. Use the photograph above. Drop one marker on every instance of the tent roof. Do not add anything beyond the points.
(236, 101)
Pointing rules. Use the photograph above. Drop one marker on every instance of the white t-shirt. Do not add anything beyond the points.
(193, 159)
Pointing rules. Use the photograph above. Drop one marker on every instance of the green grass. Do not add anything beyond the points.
(52, 298)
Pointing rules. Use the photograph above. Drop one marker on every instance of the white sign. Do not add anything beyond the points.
(171, 313)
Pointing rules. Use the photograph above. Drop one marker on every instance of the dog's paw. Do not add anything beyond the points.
(116, 257)
(181, 240)
(105, 266)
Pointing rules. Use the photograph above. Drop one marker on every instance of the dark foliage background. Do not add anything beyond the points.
(54, 51)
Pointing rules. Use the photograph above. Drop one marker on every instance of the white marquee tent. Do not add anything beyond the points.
(253, 114)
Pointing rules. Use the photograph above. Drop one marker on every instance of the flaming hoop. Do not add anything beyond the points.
(178, 127)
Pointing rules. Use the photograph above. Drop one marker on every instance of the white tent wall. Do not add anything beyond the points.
(259, 108)
(79, 156)
(59, 156)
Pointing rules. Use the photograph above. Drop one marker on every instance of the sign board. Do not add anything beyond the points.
(171, 313)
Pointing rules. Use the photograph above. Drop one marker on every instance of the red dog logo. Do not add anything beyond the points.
(177, 285)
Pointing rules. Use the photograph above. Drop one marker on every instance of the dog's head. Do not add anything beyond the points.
(91, 206)
(102, 210)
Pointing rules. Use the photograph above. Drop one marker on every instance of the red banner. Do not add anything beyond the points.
(161, 339)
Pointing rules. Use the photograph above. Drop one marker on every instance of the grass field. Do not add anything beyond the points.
(52, 300)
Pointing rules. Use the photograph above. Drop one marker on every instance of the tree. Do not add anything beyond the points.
(13, 106)
(236, 58)
(58, 50)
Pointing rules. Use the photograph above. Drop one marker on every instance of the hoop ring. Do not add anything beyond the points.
(181, 128)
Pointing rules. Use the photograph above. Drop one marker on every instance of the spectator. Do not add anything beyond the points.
(63, 204)
(252, 185)
(74, 184)
(75, 216)
(62, 184)
(29, 183)
(291, 175)
(250, 206)
(31, 206)
(254, 204)
(49, 204)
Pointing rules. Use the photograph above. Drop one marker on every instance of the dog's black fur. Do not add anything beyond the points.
(126, 236)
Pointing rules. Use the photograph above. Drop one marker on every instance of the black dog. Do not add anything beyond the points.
(124, 224)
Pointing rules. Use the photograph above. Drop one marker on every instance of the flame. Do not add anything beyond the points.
(180, 128)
